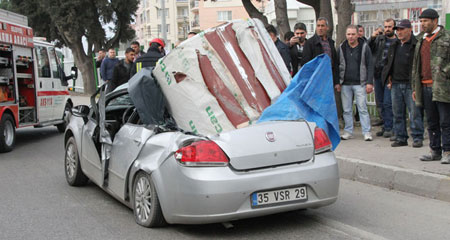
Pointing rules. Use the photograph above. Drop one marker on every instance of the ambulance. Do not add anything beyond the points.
(33, 88)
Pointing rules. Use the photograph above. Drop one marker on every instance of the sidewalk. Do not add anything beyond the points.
(399, 168)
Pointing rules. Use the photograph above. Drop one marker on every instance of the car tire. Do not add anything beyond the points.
(67, 110)
(146, 207)
(72, 167)
(7, 133)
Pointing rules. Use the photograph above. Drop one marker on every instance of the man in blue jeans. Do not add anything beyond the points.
(398, 79)
(355, 78)
(379, 43)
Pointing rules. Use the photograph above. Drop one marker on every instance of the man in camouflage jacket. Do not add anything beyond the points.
(431, 83)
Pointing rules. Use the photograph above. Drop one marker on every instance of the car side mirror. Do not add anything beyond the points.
(74, 73)
(81, 111)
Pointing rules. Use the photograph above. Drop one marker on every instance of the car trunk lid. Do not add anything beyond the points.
(267, 144)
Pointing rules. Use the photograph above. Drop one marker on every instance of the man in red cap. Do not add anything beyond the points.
(154, 53)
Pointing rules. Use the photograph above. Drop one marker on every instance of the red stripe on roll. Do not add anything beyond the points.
(276, 76)
(52, 93)
(215, 85)
(251, 88)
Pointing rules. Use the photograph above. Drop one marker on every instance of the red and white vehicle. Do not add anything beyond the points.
(33, 88)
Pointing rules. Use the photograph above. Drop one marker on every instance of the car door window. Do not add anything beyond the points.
(43, 62)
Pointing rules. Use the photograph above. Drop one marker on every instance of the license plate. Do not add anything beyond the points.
(279, 196)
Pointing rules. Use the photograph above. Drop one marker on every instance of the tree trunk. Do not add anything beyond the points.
(84, 64)
(282, 17)
(326, 11)
(344, 9)
(253, 12)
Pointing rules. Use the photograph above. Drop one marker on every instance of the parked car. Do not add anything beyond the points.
(168, 175)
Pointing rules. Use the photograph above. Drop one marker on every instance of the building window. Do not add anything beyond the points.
(224, 16)
(159, 13)
(167, 28)
(414, 14)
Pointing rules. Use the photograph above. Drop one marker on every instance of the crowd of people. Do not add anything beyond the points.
(409, 74)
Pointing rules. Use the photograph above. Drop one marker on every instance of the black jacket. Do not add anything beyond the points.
(121, 74)
(296, 60)
(313, 48)
(387, 69)
(377, 47)
(147, 60)
(283, 49)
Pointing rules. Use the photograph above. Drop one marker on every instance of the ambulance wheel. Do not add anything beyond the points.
(67, 110)
(7, 133)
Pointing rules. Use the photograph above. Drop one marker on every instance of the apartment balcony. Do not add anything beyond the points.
(182, 3)
(194, 5)
(182, 18)
(380, 5)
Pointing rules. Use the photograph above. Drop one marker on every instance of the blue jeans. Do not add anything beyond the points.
(384, 102)
(402, 100)
(359, 91)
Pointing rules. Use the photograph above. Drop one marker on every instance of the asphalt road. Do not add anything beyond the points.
(37, 203)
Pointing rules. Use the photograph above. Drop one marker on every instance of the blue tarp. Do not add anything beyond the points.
(309, 96)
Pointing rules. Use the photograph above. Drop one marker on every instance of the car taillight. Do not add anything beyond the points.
(202, 153)
(321, 141)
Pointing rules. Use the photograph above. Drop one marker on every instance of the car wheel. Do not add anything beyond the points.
(74, 174)
(7, 133)
(146, 207)
(67, 110)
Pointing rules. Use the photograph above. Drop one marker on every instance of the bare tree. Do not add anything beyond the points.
(253, 12)
(344, 9)
(322, 8)
(282, 17)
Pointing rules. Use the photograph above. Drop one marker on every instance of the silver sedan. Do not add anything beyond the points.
(167, 175)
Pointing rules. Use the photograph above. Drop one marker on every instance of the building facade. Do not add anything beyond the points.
(372, 13)
(149, 16)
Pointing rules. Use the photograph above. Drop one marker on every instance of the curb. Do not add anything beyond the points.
(421, 183)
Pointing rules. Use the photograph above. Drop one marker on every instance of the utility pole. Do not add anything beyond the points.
(163, 20)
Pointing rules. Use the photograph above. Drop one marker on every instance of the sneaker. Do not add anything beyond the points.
(446, 158)
(433, 156)
(368, 136)
(380, 133)
(387, 134)
(399, 143)
(346, 136)
(378, 122)
(417, 143)
(393, 138)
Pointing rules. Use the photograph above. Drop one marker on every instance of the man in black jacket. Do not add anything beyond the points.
(121, 72)
(379, 43)
(283, 49)
(154, 53)
(137, 49)
(321, 43)
(398, 79)
(297, 45)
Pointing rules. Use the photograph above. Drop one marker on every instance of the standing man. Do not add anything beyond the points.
(379, 44)
(137, 49)
(431, 83)
(121, 73)
(356, 78)
(297, 44)
(154, 53)
(361, 32)
(282, 48)
(321, 43)
(100, 56)
(107, 67)
(397, 75)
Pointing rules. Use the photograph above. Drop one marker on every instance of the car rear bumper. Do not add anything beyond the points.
(198, 195)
